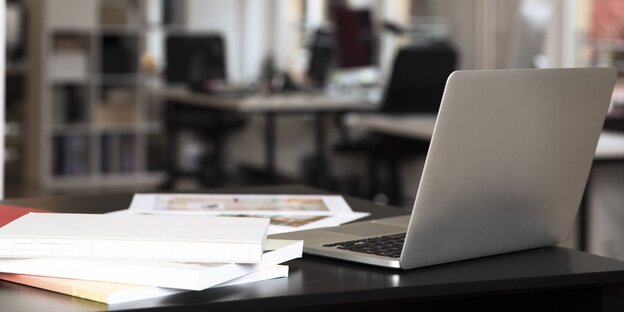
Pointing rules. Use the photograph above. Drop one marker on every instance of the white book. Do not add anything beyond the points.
(153, 237)
(192, 276)
(115, 293)
(68, 66)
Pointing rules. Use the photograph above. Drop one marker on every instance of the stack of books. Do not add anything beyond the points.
(119, 258)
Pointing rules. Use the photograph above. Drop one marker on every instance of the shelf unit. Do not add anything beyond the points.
(95, 127)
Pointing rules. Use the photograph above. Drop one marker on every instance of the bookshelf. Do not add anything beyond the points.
(17, 96)
(96, 130)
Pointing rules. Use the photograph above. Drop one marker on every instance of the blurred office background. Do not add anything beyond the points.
(89, 106)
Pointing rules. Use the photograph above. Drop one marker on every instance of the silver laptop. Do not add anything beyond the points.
(506, 170)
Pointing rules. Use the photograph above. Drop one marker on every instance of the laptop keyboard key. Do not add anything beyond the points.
(385, 246)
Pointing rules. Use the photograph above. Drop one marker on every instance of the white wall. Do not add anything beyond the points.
(249, 28)
(482, 30)
(490, 33)
(256, 38)
(72, 14)
(223, 17)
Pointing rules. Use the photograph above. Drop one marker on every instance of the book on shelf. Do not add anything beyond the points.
(76, 152)
(118, 153)
(68, 104)
(59, 103)
(68, 66)
(119, 54)
(153, 237)
(117, 105)
(69, 58)
(70, 154)
(179, 275)
(156, 152)
(126, 153)
(116, 293)
(119, 13)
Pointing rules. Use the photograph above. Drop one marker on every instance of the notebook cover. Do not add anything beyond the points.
(10, 213)
(192, 276)
(169, 238)
(115, 293)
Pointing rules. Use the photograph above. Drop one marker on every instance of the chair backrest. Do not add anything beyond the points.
(194, 58)
(355, 37)
(322, 51)
(418, 77)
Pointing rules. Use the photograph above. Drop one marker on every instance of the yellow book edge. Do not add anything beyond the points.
(113, 293)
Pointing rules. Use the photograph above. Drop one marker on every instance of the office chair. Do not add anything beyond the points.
(193, 60)
(416, 85)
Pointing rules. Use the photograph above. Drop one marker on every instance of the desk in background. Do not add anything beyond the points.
(319, 104)
(543, 279)
(610, 148)
(610, 145)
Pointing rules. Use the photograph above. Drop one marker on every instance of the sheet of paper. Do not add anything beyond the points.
(287, 212)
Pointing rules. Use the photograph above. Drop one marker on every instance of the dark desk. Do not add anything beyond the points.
(551, 279)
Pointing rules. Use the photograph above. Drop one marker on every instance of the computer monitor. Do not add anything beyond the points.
(321, 56)
(355, 39)
(194, 59)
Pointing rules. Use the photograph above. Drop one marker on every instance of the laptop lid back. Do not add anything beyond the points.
(508, 162)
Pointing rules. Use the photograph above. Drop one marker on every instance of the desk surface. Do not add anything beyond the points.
(318, 283)
(280, 102)
(610, 145)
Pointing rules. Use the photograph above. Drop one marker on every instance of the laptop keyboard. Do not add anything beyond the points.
(386, 246)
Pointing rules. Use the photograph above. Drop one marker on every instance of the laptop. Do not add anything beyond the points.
(506, 169)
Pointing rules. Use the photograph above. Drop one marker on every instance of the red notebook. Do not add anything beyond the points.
(10, 213)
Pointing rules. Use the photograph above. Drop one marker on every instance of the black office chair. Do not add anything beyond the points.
(193, 59)
(418, 78)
